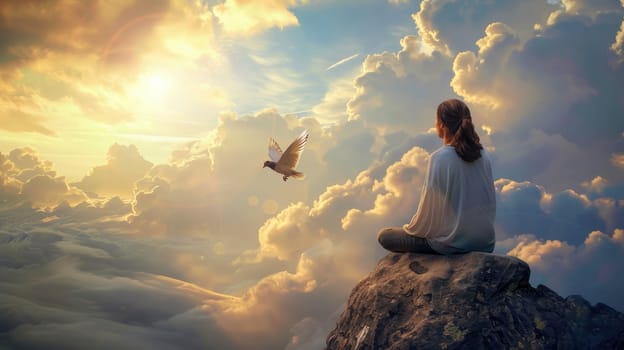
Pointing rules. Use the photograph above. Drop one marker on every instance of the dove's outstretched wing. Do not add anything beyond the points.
(275, 152)
(291, 156)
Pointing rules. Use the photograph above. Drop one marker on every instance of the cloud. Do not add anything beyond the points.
(497, 36)
(527, 208)
(308, 334)
(440, 29)
(618, 44)
(244, 17)
(45, 191)
(208, 182)
(543, 253)
(543, 71)
(349, 214)
(589, 268)
(597, 184)
(52, 66)
(122, 29)
(17, 121)
(124, 166)
(70, 285)
(9, 186)
(543, 156)
(584, 8)
(402, 181)
(393, 88)
(333, 107)
(177, 266)
(110, 281)
(540, 84)
(24, 178)
(285, 236)
(618, 159)
(26, 164)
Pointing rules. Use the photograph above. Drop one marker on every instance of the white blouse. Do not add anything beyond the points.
(457, 204)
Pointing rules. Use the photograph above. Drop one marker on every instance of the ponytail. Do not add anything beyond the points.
(456, 118)
(466, 141)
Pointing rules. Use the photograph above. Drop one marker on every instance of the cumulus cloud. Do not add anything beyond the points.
(440, 29)
(208, 183)
(9, 186)
(26, 164)
(400, 91)
(25, 178)
(589, 268)
(618, 159)
(543, 155)
(284, 237)
(583, 7)
(618, 44)
(333, 107)
(538, 253)
(497, 44)
(45, 191)
(349, 214)
(527, 208)
(124, 166)
(531, 69)
(597, 184)
(540, 96)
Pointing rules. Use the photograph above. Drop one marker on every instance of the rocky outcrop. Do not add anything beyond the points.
(470, 301)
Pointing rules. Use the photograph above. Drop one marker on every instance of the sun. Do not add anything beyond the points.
(151, 88)
(154, 84)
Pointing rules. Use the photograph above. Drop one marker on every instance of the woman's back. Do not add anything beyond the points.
(458, 204)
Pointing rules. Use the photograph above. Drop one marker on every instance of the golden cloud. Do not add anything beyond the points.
(124, 166)
(246, 17)
(24, 178)
(617, 159)
(597, 184)
(46, 192)
(287, 234)
(426, 28)
(618, 235)
(472, 79)
(618, 44)
(68, 59)
(537, 252)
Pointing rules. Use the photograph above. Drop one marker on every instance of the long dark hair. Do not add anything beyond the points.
(455, 117)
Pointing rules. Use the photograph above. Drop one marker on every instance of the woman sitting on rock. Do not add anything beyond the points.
(457, 204)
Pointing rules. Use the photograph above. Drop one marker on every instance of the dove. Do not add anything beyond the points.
(285, 162)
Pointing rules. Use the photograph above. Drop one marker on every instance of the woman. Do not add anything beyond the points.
(458, 204)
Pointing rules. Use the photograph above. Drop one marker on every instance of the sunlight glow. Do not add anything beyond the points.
(154, 84)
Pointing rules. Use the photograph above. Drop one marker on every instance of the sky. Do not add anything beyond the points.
(134, 210)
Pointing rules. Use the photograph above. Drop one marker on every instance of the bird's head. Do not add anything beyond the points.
(267, 164)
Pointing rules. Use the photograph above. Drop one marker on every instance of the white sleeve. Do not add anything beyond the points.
(433, 217)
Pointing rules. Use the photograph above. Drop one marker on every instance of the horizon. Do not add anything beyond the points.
(134, 209)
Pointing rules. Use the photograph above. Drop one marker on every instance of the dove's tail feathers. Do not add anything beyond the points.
(298, 175)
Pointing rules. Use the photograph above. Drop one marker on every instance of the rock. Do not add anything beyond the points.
(469, 301)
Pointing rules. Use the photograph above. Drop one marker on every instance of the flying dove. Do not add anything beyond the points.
(285, 162)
